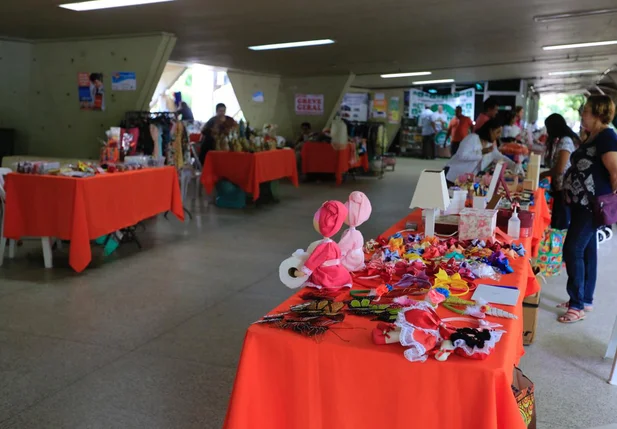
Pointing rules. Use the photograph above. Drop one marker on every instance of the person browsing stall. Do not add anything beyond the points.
(473, 150)
(593, 173)
(428, 133)
(218, 125)
(561, 142)
(491, 108)
(459, 128)
(185, 111)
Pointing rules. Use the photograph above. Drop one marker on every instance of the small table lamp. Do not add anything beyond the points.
(431, 194)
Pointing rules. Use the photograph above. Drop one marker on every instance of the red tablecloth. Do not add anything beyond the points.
(323, 158)
(83, 209)
(248, 170)
(287, 381)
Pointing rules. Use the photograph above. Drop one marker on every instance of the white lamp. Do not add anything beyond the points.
(431, 194)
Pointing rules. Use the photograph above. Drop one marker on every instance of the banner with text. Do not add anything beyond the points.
(309, 104)
(466, 99)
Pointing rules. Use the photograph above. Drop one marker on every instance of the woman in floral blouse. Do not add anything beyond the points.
(593, 173)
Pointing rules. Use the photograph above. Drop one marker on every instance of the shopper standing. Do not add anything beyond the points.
(428, 133)
(519, 112)
(593, 173)
(491, 108)
(561, 142)
(458, 129)
(185, 111)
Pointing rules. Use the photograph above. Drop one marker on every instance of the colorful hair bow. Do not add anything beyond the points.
(452, 283)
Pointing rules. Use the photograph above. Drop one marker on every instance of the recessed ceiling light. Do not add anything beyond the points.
(292, 45)
(429, 82)
(576, 14)
(569, 72)
(394, 75)
(107, 4)
(580, 45)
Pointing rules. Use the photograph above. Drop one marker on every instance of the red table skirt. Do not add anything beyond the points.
(323, 158)
(83, 209)
(248, 170)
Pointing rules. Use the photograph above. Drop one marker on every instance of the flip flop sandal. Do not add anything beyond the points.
(572, 316)
(588, 308)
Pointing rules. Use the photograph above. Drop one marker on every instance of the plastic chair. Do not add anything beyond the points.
(45, 241)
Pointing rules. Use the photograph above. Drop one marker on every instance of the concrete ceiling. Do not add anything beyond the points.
(465, 40)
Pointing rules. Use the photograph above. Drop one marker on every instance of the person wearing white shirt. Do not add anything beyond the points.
(440, 119)
(428, 133)
(477, 151)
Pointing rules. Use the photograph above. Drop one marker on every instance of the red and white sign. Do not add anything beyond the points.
(309, 104)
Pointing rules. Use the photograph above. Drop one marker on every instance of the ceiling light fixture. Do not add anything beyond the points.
(576, 14)
(107, 4)
(292, 45)
(430, 82)
(395, 75)
(570, 72)
(580, 45)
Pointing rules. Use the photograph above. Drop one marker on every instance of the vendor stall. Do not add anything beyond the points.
(342, 379)
(323, 158)
(80, 209)
(249, 170)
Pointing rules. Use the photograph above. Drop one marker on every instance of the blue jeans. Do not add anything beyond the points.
(580, 253)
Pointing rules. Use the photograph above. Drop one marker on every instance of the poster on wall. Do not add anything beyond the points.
(394, 110)
(309, 104)
(258, 97)
(354, 107)
(123, 81)
(91, 91)
(379, 106)
(466, 99)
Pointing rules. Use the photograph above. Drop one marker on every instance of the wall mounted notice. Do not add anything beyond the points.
(258, 97)
(91, 91)
(123, 81)
(394, 110)
(355, 107)
(379, 106)
(309, 104)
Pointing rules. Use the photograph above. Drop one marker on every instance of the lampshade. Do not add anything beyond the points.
(431, 191)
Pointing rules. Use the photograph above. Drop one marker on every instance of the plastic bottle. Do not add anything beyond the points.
(514, 226)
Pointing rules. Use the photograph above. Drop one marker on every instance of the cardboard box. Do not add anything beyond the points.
(530, 318)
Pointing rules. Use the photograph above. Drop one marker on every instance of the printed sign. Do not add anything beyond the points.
(355, 107)
(309, 104)
(394, 113)
(380, 105)
(258, 97)
(91, 91)
(466, 99)
(123, 81)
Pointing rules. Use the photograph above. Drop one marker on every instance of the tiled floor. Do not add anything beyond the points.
(151, 339)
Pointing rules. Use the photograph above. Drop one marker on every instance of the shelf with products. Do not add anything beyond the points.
(410, 138)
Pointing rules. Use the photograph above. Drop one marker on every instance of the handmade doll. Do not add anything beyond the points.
(359, 210)
(323, 267)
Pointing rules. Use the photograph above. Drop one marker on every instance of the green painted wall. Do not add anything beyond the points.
(15, 66)
(59, 128)
(279, 99)
(38, 83)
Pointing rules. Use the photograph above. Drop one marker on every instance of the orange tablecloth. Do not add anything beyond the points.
(541, 221)
(287, 381)
(248, 170)
(82, 209)
(322, 158)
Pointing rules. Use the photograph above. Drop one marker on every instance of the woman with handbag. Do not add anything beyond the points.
(561, 142)
(590, 187)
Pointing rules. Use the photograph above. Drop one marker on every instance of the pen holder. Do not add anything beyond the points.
(479, 203)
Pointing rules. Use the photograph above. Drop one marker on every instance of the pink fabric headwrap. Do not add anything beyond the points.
(359, 208)
(330, 217)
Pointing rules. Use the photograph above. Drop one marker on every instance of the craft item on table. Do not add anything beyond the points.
(312, 294)
(289, 265)
(497, 294)
(318, 308)
(431, 195)
(499, 261)
(371, 246)
(423, 332)
(366, 307)
(482, 270)
(419, 281)
(457, 202)
(358, 211)
(477, 224)
(455, 284)
(313, 327)
(323, 268)
(478, 309)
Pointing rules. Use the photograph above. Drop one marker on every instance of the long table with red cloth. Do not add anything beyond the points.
(323, 158)
(248, 170)
(83, 209)
(344, 381)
